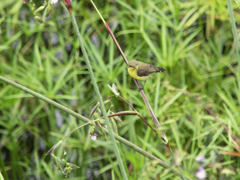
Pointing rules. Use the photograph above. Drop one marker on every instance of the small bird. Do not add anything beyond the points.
(142, 71)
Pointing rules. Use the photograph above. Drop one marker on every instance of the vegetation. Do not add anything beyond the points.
(197, 99)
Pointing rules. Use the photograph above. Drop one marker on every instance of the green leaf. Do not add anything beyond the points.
(58, 163)
(238, 2)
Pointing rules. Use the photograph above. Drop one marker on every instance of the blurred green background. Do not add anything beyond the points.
(192, 40)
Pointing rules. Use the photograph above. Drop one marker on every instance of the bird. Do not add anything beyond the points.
(142, 71)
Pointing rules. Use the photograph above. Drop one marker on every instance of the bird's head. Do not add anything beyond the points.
(133, 64)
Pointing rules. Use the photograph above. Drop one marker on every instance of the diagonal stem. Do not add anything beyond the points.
(121, 113)
(211, 113)
(114, 143)
(156, 122)
(86, 120)
(136, 81)
(97, 105)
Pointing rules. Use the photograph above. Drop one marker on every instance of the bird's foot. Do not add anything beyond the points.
(141, 88)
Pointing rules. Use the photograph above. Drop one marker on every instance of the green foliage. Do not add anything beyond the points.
(63, 166)
(192, 40)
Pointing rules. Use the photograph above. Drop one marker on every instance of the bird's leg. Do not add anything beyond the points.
(141, 88)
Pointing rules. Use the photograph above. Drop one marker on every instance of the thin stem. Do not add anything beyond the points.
(164, 137)
(116, 43)
(126, 61)
(98, 12)
(93, 110)
(114, 144)
(56, 145)
(122, 113)
(157, 124)
(96, 106)
(49, 101)
(147, 123)
(136, 81)
(211, 113)
(138, 114)
(127, 103)
(109, 97)
(84, 119)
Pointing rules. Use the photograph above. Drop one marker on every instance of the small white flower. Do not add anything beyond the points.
(54, 1)
(105, 126)
(200, 158)
(201, 173)
(93, 137)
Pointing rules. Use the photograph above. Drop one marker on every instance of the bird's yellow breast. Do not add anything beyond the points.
(133, 73)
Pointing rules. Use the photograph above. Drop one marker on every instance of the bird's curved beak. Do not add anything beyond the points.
(135, 67)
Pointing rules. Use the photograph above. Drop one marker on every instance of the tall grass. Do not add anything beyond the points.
(192, 40)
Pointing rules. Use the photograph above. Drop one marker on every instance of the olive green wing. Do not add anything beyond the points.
(146, 70)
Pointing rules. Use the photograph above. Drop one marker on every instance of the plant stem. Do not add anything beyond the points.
(122, 113)
(82, 118)
(96, 106)
(136, 81)
(157, 124)
(126, 61)
(235, 138)
(51, 151)
(114, 144)
(127, 103)
(135, 112)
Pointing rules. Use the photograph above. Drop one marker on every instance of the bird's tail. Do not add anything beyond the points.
(160, 69)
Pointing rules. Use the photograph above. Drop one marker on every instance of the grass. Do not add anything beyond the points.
(192, 40)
